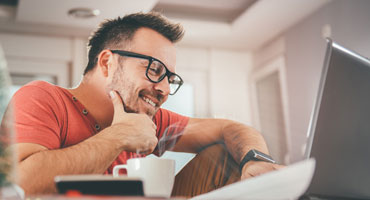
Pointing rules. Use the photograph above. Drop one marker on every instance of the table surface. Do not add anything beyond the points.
(63, 197)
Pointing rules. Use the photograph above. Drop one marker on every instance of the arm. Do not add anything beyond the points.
(238, 138)
(38, 166)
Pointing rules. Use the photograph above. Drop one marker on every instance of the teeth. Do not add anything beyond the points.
(149, 101)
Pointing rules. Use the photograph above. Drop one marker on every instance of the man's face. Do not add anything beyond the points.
(138, 93)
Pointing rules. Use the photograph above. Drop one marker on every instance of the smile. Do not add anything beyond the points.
(149, 101)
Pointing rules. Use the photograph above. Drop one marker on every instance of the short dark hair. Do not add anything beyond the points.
(112, 33)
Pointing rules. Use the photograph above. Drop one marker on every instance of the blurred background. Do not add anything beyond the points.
(254, 61)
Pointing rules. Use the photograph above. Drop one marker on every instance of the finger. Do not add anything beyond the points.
(276, 166)
(245, 176)
(146, 118)
(117, 103)
(145, 149)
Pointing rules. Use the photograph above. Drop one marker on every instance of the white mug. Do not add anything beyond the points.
(158, 175)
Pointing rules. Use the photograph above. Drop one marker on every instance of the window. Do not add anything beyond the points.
(182, 102)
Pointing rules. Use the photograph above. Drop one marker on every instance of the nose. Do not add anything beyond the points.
(163, 87)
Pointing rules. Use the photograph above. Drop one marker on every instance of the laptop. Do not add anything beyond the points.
(339, 133)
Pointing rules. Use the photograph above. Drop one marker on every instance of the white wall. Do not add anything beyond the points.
(229, 91)
(62, 57)
(193, 66)
(220, 80)
(47, 56)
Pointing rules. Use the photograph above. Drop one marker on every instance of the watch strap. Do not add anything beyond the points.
(254, 155)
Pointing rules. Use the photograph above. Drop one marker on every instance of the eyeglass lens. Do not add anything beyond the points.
(157, 72)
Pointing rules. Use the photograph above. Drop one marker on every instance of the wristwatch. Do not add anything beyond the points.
(256, 156)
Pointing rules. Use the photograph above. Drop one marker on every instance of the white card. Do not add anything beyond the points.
(287, 183)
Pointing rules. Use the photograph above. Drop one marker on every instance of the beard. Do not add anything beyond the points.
(130, 95)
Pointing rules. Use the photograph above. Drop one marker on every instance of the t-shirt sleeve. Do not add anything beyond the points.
(170, 127)
(36, 117)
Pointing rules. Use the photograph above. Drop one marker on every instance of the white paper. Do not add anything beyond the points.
(181, 158)
(287, 183)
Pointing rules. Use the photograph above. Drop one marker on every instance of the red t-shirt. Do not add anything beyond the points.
(49, 115)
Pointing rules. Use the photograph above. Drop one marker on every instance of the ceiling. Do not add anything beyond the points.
(205, 10)
(232, 24)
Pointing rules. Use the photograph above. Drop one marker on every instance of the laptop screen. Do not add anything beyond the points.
(339, 134)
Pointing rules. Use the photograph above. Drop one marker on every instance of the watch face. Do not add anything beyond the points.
(263, 157)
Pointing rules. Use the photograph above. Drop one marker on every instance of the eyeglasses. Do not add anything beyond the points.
(156, 71)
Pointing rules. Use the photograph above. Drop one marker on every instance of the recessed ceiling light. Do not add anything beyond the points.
(83, 12)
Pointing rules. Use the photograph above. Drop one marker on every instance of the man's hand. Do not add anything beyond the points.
(137, 132)
(256, 168)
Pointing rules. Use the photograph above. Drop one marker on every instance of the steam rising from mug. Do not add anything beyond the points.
(167, 142)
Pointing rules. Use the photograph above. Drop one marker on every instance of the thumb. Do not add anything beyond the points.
(117, 103)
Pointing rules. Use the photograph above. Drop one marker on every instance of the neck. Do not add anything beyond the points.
(96, 100)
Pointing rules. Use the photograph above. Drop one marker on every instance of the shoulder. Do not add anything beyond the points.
(39, 114)
(41, 85)
(37, 89)
(37, 94)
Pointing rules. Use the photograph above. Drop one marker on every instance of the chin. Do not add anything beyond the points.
(151, 113)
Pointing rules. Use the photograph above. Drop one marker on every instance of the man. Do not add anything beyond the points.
(114, 114)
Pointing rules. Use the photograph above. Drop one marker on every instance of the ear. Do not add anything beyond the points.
(105, 62)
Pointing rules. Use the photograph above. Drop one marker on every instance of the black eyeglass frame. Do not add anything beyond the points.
(168, 73)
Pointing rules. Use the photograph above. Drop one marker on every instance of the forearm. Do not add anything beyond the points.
(93, 156)
(239, 139)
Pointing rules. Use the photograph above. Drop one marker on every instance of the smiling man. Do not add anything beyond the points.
(114, 113)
